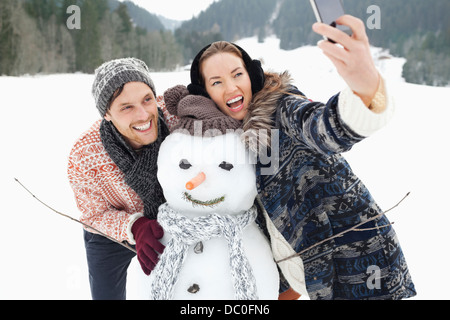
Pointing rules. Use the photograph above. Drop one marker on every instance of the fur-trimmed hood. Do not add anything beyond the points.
(260, 118)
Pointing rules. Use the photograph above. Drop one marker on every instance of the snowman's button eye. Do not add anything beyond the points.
(184, 164)
(226, 166)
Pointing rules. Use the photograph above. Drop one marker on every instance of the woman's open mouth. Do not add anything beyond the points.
(236, 104)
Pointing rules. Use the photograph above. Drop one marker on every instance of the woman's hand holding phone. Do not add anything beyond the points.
(352, 57)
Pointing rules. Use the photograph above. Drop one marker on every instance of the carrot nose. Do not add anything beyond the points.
(195, 182)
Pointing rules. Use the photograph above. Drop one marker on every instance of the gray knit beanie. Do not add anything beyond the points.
(112, 75)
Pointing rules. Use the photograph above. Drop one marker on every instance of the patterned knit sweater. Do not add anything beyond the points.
(106, 202)
(311, 194)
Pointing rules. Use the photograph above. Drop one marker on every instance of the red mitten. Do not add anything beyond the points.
(147, 234)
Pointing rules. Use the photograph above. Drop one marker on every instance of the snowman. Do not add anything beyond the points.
(214, 247)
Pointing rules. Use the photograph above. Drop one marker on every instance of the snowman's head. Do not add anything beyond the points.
(201, 175)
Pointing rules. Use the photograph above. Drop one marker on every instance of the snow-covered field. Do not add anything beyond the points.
(42, 254)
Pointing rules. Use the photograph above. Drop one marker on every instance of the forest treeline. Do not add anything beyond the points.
(35, 36)
(417, 30)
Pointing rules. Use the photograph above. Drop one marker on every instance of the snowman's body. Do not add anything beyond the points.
(228, 188)
(206, 275)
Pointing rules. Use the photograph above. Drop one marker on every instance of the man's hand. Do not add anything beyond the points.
(352, 58)
(147, 234)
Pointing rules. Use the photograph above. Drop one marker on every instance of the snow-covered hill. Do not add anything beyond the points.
(43, 254)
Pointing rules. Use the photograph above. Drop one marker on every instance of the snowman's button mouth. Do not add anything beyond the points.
(209, 203)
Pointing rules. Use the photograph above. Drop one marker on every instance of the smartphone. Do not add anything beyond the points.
(328, 11)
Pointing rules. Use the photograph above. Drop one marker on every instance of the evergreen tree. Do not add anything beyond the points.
(8, 40)
(87, 39)
(125, 19)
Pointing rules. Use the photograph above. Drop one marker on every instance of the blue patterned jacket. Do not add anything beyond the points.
(314, 194)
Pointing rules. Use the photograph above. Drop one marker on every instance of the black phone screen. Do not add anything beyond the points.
(329, 11)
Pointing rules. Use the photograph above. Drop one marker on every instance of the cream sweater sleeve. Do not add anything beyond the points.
(363, 121)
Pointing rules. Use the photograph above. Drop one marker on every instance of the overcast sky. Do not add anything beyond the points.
(174, 9)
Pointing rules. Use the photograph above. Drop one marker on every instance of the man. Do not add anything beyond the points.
(112, 171)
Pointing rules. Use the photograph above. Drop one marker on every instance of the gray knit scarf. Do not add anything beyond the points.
(139, 168)
(186, 232)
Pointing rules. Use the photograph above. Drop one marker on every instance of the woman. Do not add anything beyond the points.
(311, 193)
